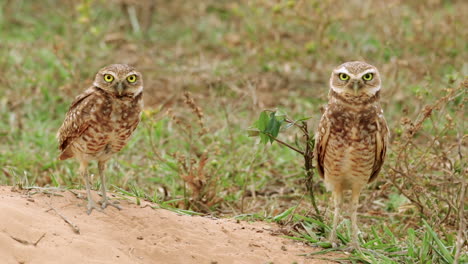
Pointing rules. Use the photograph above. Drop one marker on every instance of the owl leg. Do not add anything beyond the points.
(356, 191)
(84, 173)
(104, 202)
(338, 199)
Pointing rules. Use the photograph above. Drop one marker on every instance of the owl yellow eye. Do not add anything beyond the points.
(108, 78)
(343, 76)
(132, 78)
(368, 76)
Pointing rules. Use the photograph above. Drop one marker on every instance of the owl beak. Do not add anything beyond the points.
(120, 88)
(356, 87)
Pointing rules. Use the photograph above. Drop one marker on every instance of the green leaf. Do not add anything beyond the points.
(441, 249)
(262, 121)
(273, 127)
(261, 124)
(253, 132)
(303, 119)
(264, 138)
(280, 113)
(284, 214)
(410, 243)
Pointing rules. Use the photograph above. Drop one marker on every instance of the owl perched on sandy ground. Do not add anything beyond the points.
(100, 122)
(352, 137)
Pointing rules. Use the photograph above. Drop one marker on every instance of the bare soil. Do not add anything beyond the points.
(33, 230)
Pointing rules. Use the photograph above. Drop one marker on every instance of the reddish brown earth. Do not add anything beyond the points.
(32, 232)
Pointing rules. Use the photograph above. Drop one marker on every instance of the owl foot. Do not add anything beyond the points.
(105, 202)
(92, 205)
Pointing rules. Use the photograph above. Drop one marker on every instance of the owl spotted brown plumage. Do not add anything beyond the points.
(352, 136)
(101, 120)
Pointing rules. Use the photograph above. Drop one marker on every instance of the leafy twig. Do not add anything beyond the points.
(268, 127)
(285, 144)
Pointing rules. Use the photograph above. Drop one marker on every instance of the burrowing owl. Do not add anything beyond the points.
(101, 120)
(352, 136)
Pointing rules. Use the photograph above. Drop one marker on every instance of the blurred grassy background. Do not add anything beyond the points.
(236, 58)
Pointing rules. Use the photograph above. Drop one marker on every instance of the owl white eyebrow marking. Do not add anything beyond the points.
(131, 73)
(108, 72)
(367, 71)
(342, 70)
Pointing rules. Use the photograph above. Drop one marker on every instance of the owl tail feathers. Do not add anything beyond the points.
(66, 154)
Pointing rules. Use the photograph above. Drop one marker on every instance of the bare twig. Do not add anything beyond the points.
(132, 15)
(461, 224)
(309, 168)
(285, 144)
(400, 189)
(45, 192)
(72, 225)
(25, 242)
(43, 188)
(20, 240)
(77, 195)
(37, 242)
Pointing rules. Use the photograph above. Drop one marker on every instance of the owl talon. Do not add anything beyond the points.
(92, 205)
(105, 202)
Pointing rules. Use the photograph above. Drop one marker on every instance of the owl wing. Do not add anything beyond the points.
(321, 141)
(381, 141)
(75, 123)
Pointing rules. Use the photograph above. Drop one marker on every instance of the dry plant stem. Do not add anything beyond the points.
(43, 188)
(25, 242)
(286, 145)
(132, 14)
(400, 189)
(461, 224)
(406, 170)
(72, 225)
(37, 242)
(308, 155)
(45, 192)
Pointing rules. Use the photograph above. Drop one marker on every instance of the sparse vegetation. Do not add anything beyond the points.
(210, 68)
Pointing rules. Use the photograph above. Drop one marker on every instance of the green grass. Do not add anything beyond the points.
(237, 59)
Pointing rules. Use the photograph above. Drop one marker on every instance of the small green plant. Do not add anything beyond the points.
(268, 126)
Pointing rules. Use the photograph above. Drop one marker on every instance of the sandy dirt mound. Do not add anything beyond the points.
(32, 232)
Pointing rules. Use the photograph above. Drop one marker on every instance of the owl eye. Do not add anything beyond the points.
(368, 76)
(108, 78)
(343, 76)
(132, 78)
